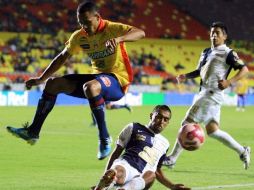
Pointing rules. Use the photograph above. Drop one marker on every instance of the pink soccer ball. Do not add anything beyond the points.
(191, 136)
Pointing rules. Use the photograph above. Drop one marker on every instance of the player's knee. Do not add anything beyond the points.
(120, 175)
(149, 178)
(119, 180)
(92, 88)
(211, 127)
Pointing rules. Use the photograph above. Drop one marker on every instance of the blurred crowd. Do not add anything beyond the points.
(47, 21)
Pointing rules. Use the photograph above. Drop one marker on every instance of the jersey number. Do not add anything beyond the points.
(150, 155)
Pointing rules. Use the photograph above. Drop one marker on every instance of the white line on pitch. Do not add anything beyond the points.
(224, 186)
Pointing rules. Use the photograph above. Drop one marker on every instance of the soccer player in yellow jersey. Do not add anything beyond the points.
(103, 41)
(241, 91)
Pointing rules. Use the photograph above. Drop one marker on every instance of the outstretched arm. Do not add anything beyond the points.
(56, 63)
(132, 35)
(167, 183)
(190, 75)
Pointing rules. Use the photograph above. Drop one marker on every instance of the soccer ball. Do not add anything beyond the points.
(191, 136)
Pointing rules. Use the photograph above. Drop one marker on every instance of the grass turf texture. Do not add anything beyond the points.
(65, 156)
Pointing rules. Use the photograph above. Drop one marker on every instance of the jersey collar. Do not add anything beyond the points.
(150, 130)
(219, 47)
(101, 26)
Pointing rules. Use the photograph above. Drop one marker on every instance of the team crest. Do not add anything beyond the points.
(140, 137)
(237, 59)
(106, 81)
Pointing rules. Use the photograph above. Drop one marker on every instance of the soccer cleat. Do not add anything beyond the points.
(104, 148)
(106, 180)
(245, 157)
(169, 162)
(128, 108)
(23, 134)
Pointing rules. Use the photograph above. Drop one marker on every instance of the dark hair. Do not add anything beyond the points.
(87, 6)
(161, 107)
(220, 25)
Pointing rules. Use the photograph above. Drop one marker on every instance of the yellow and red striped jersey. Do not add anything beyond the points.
(104, 60)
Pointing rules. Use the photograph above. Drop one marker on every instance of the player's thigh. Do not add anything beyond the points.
(77, 81)
(126, 171)
(203, 111)
(59, 85)
(110, 87)
(211, 127)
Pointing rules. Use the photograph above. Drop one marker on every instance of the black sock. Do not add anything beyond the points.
(45, 105)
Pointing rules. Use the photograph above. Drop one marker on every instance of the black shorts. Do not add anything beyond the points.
(110, 86)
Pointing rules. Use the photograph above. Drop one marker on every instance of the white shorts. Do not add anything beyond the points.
(130, 171)
(204, 110)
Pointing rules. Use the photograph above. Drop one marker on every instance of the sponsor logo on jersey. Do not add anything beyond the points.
(219, 55)
(140, 137)
(106, 81)
(85, 46)
(101, 54)
(237, 59)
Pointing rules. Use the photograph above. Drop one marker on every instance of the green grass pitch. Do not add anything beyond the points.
(65, 156)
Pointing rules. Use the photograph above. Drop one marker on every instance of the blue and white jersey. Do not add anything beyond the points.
(215, 64)
(144, 150)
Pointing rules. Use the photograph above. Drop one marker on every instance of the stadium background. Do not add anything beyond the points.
(32, 32)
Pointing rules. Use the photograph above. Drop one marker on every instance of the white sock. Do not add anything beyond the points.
(227, 140)
(177, 150)
(137, 183)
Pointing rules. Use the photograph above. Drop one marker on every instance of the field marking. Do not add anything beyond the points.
(223, 186)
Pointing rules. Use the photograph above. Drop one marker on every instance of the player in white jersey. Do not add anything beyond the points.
(214, 67)
(145, 149)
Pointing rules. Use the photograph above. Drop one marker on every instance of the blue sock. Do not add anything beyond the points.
(45, 105)
(97, 107)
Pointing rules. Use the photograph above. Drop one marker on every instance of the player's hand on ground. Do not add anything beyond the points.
(223, 84)
(180, 187)
(181, 78)
(111, 44)
(33, 82)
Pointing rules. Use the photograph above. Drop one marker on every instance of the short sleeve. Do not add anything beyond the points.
(119, 29)
(71, 45)
(234, 61)
(125, 135)
(161, 161)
